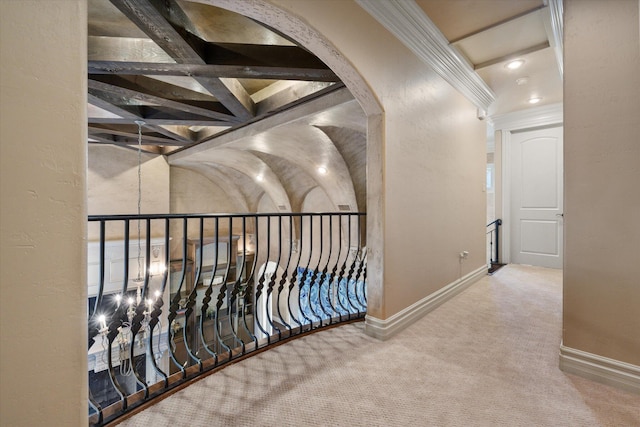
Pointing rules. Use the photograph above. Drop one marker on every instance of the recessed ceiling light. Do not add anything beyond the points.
(260, 178)
(515, 64)
(322, 170)
(534, 100)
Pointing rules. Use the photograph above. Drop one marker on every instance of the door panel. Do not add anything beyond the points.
(536, 197)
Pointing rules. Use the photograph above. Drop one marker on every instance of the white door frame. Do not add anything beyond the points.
(530, 119)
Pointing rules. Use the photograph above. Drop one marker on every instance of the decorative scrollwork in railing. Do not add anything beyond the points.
(234, 284)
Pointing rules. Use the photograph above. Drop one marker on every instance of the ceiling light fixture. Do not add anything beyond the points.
(322, 170)
(534, 100)
(522, 81)
(515, 64)
(260, 178)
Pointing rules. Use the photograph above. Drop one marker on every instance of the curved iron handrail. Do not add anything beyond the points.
(141, 348)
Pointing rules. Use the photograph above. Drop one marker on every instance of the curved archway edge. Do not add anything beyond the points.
(308, 37)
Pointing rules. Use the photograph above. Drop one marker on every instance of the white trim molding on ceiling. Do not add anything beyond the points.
(530, 118)
(556, 10)
(408, 22)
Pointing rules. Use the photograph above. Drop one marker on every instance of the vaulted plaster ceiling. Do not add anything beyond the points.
(245, 107)
(260, 113)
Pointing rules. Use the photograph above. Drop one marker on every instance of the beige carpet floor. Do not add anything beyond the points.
(488, 357)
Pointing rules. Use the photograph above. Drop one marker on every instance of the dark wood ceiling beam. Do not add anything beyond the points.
(294, 93)
(165, 116)
(133, 140)
(102, 140)
(310, 105)
(163, 89)
(126, 89)
(108, 102)
(215, 54)
(184, 47)
(132, 135)
(155, 122)
(231, 71)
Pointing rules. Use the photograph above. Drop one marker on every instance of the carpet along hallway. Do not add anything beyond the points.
(488, 357)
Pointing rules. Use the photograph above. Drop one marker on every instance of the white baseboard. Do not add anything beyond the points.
(384, 329)
(601, 369)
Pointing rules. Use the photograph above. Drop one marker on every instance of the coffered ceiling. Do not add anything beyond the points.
(490, 33)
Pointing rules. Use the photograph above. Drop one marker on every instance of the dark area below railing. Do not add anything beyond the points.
(493, 239)
(174, 297)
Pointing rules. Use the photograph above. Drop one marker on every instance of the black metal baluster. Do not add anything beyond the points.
(233, 311)
(323, 273)
(117, 320)
(261, 280)
(311, 274)
(207, 297)
(329, 278)
(187, 333)
(362, 218)
(361, 259)
(250, 284)
(272, 280)
(247, 284)
(350, 277)
(316, 281)
(154, 316)
(334, 277)
(294, 274)
(175, 303)
(283, 278)
(140, 314)
(342, 280)
(222, 295)
(302, 273)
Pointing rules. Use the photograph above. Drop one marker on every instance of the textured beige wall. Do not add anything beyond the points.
(602, 178)
(112, 186)
(43, 354)
(112, 181)
(434, 154)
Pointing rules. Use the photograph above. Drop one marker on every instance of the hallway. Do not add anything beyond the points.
(488, 357)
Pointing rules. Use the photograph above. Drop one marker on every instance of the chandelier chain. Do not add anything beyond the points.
(139, 123)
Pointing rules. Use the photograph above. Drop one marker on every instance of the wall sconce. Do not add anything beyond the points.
(157, 267)
(247, 243)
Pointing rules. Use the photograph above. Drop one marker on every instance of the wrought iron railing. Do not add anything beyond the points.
(172, 297)
(493, 242)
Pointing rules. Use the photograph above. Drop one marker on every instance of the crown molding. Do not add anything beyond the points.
(556, 9)
(530, 118)
(408, 22)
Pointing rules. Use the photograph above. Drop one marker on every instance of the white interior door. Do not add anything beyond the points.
(536, 197)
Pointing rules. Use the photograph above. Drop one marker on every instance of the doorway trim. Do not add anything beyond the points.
(518, 121)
